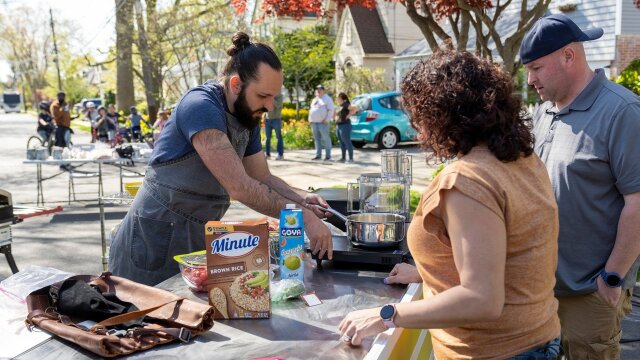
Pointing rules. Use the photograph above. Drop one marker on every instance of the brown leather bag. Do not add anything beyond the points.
(169, 317)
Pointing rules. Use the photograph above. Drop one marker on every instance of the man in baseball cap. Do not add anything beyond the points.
(584, 133)
(551, 33)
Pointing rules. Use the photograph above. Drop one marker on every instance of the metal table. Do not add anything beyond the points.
(294, 330)
(77, 162)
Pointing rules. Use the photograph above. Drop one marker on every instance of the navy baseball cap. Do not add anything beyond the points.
(321, 87)
(551, 33)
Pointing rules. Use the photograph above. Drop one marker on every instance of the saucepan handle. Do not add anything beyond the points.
(334, 212)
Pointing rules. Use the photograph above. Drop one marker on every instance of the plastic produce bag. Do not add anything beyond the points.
(286, 289)
(30, 279)
(16, 338)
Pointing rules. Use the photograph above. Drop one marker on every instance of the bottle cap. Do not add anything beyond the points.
(291, 206)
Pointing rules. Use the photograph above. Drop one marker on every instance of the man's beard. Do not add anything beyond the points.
(243, 112)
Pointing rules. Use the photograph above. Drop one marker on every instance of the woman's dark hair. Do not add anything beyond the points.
(343, 96)
(457, 100)
(246, 56)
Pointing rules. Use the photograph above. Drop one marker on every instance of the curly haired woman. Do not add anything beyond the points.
(484, 235)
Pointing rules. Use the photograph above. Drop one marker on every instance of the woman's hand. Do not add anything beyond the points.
(359, 324)
(403, 274)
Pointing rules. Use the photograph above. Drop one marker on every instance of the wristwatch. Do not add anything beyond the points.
(611, 279)
(388, 313)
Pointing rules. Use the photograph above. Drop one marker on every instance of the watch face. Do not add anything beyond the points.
(387, 312)
(613, 280)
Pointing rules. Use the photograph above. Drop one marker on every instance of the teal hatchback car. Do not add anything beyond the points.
(380, 119)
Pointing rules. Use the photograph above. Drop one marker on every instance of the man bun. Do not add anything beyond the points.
(240, 41)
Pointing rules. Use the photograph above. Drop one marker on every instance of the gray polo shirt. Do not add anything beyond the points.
(591, 149)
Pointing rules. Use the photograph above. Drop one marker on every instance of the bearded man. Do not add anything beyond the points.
(210, 151)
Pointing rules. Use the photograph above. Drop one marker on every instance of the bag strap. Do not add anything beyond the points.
(183, 334)
(123, 318)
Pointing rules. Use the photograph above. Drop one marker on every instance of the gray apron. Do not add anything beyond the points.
(168, 214)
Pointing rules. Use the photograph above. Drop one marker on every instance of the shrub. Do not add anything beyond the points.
(289, 115)
(630, 77)
(298, 135)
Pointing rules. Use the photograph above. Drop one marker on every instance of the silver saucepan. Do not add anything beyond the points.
(373, 229)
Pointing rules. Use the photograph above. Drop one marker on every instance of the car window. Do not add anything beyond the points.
(363, 103)
(390, 102)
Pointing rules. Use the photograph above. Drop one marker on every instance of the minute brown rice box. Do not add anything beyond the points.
(238, 269)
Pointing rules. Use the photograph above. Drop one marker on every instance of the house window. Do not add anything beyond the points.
(348, 32)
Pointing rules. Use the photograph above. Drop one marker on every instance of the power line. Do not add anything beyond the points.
(117, 8)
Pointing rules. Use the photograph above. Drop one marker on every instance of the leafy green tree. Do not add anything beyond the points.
(307, 59)
(26, 44)
(630, 77)
(73, 83)
(360, 80)
(196, 40)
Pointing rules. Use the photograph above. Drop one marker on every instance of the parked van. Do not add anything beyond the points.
(11, 101)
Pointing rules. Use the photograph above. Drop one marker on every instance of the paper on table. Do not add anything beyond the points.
(16, 338)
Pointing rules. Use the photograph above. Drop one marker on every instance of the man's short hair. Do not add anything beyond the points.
(551, 33)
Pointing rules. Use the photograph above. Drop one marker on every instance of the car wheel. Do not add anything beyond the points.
(358, 144)
(388, 138)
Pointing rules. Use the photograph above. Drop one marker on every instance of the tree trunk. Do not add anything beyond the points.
(124, 63)
(154, 37)
(147, 74)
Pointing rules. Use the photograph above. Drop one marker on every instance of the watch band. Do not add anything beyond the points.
(611, 279)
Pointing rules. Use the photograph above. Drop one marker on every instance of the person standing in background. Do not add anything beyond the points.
(586, 134)
(62, 118)
(45, 122)
(320, 115)
(274, 122)
(343, 129)
(135, 129)
(159, 125)
(101, 125)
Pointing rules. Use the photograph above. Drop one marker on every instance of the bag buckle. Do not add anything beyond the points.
(116, 332)
(184, 335)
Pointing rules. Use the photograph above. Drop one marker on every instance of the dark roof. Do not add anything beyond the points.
(370, 30)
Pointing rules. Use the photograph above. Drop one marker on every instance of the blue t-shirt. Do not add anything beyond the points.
(135, 120)
(202, 107)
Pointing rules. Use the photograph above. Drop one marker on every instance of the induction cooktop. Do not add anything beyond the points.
(345, 251)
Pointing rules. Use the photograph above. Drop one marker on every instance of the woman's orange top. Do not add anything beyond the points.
(520, 193)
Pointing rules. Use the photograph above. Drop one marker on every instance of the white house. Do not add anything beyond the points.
(370, 37)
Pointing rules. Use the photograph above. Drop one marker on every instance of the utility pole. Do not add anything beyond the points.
(55, 50)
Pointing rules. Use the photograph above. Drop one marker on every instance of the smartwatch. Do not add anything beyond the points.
(611, 279)
(388, 313)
